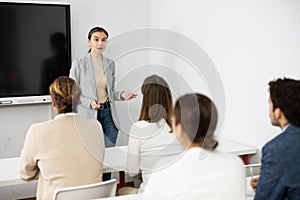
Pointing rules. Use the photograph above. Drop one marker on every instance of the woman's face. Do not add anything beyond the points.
(98, 42)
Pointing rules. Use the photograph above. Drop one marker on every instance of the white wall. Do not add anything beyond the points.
(250, 42)
(116, 16)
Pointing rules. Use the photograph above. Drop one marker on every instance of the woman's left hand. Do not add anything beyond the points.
(254, 182)
(128, 95)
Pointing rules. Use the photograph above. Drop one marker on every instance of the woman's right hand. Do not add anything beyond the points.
(95, 105)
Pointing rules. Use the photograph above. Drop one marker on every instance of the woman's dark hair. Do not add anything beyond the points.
(157, 100)
(66, 94)
(198, 117)
(94, 30)
(285, 94)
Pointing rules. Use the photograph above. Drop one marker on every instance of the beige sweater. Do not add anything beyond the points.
(63, 152)
(100, 78)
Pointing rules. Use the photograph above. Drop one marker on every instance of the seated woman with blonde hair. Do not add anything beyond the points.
(65, 151)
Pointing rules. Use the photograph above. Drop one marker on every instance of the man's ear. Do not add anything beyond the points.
(277, 113)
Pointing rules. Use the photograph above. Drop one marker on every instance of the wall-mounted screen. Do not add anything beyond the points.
(35, 48)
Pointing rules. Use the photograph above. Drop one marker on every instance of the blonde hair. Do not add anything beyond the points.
(65, 92)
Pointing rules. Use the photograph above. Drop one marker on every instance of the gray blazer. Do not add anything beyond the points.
(82, 72)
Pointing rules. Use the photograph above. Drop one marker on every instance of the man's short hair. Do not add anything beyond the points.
(285, 94)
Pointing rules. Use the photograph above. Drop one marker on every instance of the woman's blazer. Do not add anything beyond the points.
(83, 73)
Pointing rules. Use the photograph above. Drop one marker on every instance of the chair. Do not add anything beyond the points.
(252, 169)
(84, 192)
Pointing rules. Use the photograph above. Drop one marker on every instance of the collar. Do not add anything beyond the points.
(64, 115)
(288, 125)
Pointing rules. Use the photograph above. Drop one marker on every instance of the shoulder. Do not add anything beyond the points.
(231, 159)
(278, 142)
(90, 121)
(273, 150)
(285, 142)
(40, 125)
(146, 128)
(292, 132)
(232, 164)
(141, 124)
(82, 61)
(139, 127)
(106, 59)
(272, 144)
(87, 122)
(212, 158)
(37, 129)
(144, 124)
(108, 63)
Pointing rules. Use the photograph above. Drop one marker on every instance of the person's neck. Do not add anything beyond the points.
(96, 54)
(283, 124)
(193, 145)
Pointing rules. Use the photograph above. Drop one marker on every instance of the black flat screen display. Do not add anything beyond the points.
(35, 47)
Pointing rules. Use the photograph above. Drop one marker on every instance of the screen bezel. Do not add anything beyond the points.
(36, 98)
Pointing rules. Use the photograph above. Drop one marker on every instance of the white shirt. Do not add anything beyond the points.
(151, 147)
(199, 174)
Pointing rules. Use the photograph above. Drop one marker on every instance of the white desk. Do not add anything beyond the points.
(12, 187)
(115, 160)
(236, 148)
(124, 197)
(115, 157)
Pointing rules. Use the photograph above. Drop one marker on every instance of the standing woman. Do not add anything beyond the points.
(96, 77)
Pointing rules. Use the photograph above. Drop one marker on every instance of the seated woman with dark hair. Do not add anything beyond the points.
(152, 144)
(65, 151)
(202, 172)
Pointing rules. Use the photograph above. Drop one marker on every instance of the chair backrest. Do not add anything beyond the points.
(252, 169)
(85, 192)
